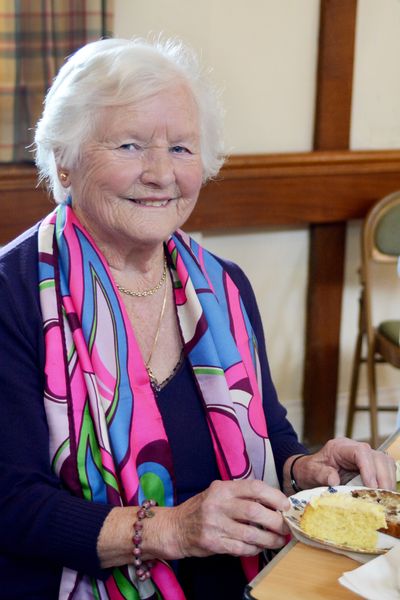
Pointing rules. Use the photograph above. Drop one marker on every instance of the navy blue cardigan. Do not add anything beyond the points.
(42, 526)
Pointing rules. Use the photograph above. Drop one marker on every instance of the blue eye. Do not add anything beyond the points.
(180, 150)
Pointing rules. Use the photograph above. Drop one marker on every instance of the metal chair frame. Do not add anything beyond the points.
(379, 349)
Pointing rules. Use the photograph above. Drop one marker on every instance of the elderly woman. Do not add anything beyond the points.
(144, 453)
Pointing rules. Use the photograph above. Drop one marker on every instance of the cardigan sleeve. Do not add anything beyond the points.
(38, 519)
(283, 438)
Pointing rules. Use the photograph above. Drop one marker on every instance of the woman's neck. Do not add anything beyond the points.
(137, 269)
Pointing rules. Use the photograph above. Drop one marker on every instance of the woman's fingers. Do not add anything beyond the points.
(379, 471)
(225, 535)
(247, 539)
(250, 489)
(342, 458)
(225, 520)
(254, 513)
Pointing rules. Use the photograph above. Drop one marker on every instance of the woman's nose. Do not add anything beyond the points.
(157, 167)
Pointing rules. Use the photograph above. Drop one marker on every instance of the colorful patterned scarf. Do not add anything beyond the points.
(107, 440)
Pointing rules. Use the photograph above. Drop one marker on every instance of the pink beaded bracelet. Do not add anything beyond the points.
(142, 567)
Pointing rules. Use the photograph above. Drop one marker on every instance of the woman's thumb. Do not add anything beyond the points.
(332, 476)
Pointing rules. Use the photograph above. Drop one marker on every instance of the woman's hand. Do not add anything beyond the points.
(230, 517)
(340, 460)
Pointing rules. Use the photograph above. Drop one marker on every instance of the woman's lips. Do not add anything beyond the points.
(152, 202)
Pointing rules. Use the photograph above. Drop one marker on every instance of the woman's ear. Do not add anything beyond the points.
(63, 176)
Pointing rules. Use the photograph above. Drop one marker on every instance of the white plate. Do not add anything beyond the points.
(292, 517)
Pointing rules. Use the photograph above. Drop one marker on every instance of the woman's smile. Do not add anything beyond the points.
(152, 202)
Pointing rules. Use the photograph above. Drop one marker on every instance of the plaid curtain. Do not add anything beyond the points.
(35, 38)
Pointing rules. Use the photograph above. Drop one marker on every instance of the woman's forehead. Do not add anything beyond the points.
(174, 110)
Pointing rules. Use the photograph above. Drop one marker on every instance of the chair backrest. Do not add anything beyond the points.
(380, 243)
(381, 230)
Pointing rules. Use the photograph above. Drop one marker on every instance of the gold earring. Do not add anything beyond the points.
(63, 176)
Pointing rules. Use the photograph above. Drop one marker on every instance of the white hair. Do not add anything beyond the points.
(119, 72)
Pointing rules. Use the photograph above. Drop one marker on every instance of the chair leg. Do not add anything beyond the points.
(356, 366)
(371, 382)
(354, 385)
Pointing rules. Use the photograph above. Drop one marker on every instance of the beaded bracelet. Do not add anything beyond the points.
(142, 568)
(293, 481)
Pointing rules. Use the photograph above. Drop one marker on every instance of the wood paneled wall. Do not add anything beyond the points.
(252, 191)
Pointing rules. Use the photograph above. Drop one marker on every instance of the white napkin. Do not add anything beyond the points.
(379, 579)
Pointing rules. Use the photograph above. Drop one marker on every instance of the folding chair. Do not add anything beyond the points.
(380, 243)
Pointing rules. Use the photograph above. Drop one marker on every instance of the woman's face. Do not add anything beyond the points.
(140, 175)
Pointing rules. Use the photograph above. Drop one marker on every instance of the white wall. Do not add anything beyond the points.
(263, 54)
(376, 92)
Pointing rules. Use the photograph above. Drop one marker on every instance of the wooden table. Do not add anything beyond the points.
(302, 572)
(305, 572)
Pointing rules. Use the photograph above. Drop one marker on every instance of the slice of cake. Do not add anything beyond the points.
(341, 519)
(391, 504)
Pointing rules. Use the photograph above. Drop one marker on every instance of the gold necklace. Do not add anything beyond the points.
(153, 381)
(149, 292)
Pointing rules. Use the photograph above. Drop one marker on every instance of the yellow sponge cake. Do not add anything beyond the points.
(341, 519)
